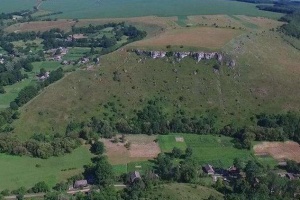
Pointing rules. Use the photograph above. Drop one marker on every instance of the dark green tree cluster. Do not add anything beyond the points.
(39, 146)
(261, 184)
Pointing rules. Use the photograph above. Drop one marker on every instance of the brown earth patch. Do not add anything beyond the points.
(205, 37)
(142, 147)
(279, 150)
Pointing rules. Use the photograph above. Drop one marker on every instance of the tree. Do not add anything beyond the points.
(103, 172)
(176, 152)
(62, 186)
(2, 90)
(188, 152)
(252, 171)
(97, 148)
(40, 187)
(13, 105)
(42, 72)
(238, 163)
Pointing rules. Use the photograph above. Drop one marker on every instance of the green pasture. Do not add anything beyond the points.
(76, 53)
(141, 166)
(179, 191)
(137, 8)
(24, 171)
(218, 151)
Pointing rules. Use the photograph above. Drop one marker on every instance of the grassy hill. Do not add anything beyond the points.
(261, 82)
(178, 191)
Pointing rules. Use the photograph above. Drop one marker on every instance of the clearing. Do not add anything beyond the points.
(142, 147)
(279, 150)
(201, 37)
(16, 172)
(218, 151)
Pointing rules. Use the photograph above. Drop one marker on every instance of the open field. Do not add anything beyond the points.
(279, 150)
(142, 147)
(218, 151)
(151, 24)
(179, 191)
(16, 5)
(122, 8)
(22, 171)
(200, 37)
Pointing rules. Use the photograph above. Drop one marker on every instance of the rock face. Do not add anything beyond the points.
(181, 55)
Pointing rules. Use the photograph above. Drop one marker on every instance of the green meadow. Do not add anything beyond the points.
(179, 191)
(215, 150)
(25, 171)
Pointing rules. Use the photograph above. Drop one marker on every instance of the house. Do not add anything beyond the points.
(208, 169)
(80, 183)
(134, 176)
(17, 17)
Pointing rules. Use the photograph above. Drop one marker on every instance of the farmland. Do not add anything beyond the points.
(123, 8)
(25, 171)
(218, 151)
(279, 150)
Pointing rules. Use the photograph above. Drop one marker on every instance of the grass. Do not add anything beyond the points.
(141, 166)
(218, 151)
(120, 169)
(22, 171)
(261, 82)
(112, 9)
(178, 191)
(168, 142)
(76, 53)
(16, 5)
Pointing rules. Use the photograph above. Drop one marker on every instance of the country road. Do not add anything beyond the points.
(34, 195)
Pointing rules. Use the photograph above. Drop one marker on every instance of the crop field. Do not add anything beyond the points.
(25, 171)
(123, 8)
(16, 5)
(13, 90)
(178, 191)
(41, 26)
(199, 37)
(281, 151)
(218, 151)
(142, 147)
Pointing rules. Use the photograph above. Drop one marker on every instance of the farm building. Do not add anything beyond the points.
(208, 169)
(134, 176)
(80, 183)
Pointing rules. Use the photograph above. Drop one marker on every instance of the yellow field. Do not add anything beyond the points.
(202, 37)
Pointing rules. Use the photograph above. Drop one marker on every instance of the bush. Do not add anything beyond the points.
(97, 148)
(40, 187)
